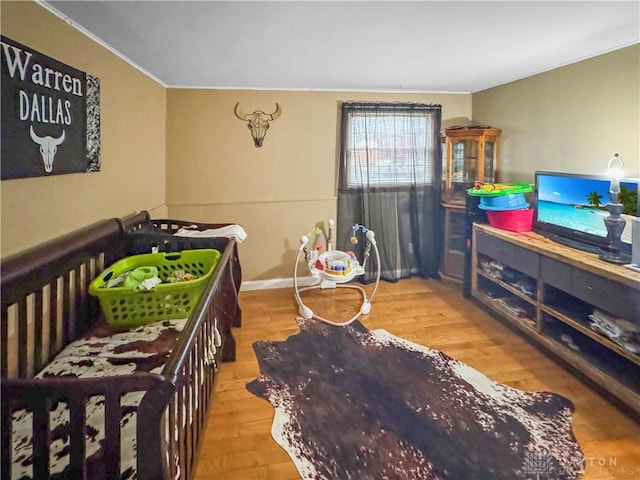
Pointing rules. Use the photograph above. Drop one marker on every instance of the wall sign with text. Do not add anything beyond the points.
(50, 115)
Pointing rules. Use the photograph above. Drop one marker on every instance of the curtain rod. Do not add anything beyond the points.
(390, 106)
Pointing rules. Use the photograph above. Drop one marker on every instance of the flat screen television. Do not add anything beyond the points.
(570, 208)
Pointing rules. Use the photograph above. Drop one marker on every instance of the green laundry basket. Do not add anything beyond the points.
(125, 307)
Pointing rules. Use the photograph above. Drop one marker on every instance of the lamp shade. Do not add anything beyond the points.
(615, 171)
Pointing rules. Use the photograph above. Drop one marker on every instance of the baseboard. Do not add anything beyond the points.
(276, 283)
(288, 282)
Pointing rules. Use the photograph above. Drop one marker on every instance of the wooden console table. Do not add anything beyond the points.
(548, 291)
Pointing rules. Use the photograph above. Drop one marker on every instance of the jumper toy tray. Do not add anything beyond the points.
(335, 268)
(498, 189)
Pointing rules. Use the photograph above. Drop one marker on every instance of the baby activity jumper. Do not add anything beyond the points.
(335, 268)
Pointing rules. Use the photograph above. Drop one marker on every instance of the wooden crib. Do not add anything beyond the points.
(83, 400)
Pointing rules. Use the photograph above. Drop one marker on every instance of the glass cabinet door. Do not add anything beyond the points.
(455, 245)
(489, 161)
(463, 169)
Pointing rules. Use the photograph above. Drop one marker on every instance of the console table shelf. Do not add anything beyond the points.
(595, 336)
(508, 287)
(563, 287)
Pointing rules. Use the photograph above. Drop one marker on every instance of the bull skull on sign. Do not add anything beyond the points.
(258, 122)
(48, 147)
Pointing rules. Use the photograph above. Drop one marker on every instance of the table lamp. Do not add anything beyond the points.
(614, 222)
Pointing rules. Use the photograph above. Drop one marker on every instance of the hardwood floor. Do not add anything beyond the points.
(238, 442)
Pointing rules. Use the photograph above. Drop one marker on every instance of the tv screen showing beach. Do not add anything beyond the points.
(580, 204)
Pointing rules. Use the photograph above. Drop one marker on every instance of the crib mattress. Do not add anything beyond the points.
(102, 352)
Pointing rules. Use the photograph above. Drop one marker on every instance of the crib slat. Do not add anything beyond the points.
(188, 428)
(212, 324)
(171, 442)
(79, 301)
(54, 319)
(82, 297)
(23, 340)
(200, 353)
(38, 360)
(179, 428)
(4, 344)
(77, 445)
(41, 438)
(111, 449)
(203, 392)
(5, 439)
(68, 311)
(193, 414)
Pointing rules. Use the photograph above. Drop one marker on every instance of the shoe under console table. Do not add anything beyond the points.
(549, 291)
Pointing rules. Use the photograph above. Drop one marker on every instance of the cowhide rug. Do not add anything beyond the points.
(357, 404)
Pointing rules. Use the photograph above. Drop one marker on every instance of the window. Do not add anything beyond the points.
(389, 180)
(393, 147)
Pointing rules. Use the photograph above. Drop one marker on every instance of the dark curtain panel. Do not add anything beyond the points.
(389, 181)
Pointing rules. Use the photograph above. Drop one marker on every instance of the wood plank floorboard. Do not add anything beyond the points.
(238, 442)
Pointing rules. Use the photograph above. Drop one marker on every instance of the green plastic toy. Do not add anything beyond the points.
(497, 189)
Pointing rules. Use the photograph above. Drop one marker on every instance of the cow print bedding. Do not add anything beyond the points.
(103, 352)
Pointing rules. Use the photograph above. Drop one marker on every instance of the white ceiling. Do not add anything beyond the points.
(417, 46)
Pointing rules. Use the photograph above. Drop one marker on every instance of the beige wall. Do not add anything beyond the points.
(133, 114)
(571, 119)
(277, 192)
(183, 154)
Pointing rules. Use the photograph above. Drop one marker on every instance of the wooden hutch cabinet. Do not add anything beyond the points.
(469, 153)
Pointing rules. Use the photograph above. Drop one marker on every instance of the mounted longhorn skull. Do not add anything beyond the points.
(258, 122)
(48, 147)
